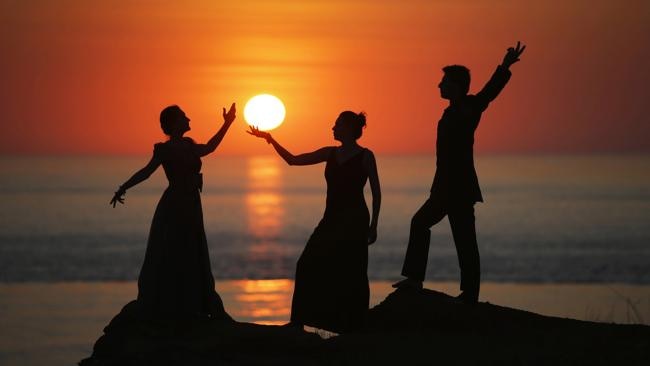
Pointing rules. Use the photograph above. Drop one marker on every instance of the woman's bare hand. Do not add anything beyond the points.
(261, 134)
(230, 116)
(118, 197)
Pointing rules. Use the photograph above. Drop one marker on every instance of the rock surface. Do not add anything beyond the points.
(408, 328)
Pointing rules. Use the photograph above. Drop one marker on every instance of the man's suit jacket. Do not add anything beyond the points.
(455, 180)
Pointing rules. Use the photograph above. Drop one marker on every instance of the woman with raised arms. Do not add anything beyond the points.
(331, 286)
(176, 279)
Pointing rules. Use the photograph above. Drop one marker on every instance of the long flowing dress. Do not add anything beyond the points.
(331, 287)
(175, 287)
(176, 278)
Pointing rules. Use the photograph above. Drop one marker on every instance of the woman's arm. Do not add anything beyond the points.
(211, 145)
(370, 165)
(138, 177)
(309, 158)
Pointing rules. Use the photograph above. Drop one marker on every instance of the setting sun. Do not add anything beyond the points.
(264, 111)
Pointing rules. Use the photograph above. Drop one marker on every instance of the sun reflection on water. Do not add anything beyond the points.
(264, 173)
(258, 301)
(262, 301)
(265, 212)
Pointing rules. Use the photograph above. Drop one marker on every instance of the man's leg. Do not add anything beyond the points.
(461, 219)
(417, 252)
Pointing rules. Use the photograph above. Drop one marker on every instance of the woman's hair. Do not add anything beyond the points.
(168, 118)
(356, 121)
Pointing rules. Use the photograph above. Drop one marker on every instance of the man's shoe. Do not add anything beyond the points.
(466, 298)
(409, 284)
(294, 325)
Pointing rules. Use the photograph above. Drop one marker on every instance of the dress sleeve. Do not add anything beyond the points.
(158, 151)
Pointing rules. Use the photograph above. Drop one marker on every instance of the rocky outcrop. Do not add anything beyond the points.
(409, 327)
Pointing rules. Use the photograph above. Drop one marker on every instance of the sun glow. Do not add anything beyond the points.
(264, 111)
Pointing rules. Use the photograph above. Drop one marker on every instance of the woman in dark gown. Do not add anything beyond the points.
(331, 286)
(176, 280)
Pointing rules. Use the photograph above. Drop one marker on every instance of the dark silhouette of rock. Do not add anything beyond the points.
(410, 327)
(429, 327)
(132, 339)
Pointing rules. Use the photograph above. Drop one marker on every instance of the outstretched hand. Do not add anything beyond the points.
(512, 55)
(261, 134)
(231, 115)
(118, 197)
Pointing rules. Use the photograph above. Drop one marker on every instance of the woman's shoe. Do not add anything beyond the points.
(408, 283)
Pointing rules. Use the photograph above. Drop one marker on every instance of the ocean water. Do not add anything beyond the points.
(555, 219)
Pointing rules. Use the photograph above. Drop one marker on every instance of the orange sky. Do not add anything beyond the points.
(90, 77)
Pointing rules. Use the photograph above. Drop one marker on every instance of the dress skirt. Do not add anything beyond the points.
(331, 287)
(176, 278)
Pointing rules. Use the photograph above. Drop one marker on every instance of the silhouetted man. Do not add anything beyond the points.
(455, 187)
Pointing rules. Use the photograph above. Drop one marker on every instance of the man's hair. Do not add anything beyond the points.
(459, 74)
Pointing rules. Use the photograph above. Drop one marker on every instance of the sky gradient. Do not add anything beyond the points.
(90, 77)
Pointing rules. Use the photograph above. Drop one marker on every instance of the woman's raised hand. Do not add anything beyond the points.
(261, 134)
(230, 116)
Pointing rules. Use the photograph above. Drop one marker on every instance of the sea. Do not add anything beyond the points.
(545, 219)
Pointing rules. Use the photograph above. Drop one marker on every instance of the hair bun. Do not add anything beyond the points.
(356, 121)
(362, 118)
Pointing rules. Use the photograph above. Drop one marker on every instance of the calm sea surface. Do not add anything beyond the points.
(545, 219)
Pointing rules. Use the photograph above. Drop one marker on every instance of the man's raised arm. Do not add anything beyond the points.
(500, 77)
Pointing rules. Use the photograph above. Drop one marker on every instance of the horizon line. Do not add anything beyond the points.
(4, 155)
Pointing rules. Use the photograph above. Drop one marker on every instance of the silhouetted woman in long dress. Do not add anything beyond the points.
(331, 286)
(176, 279)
